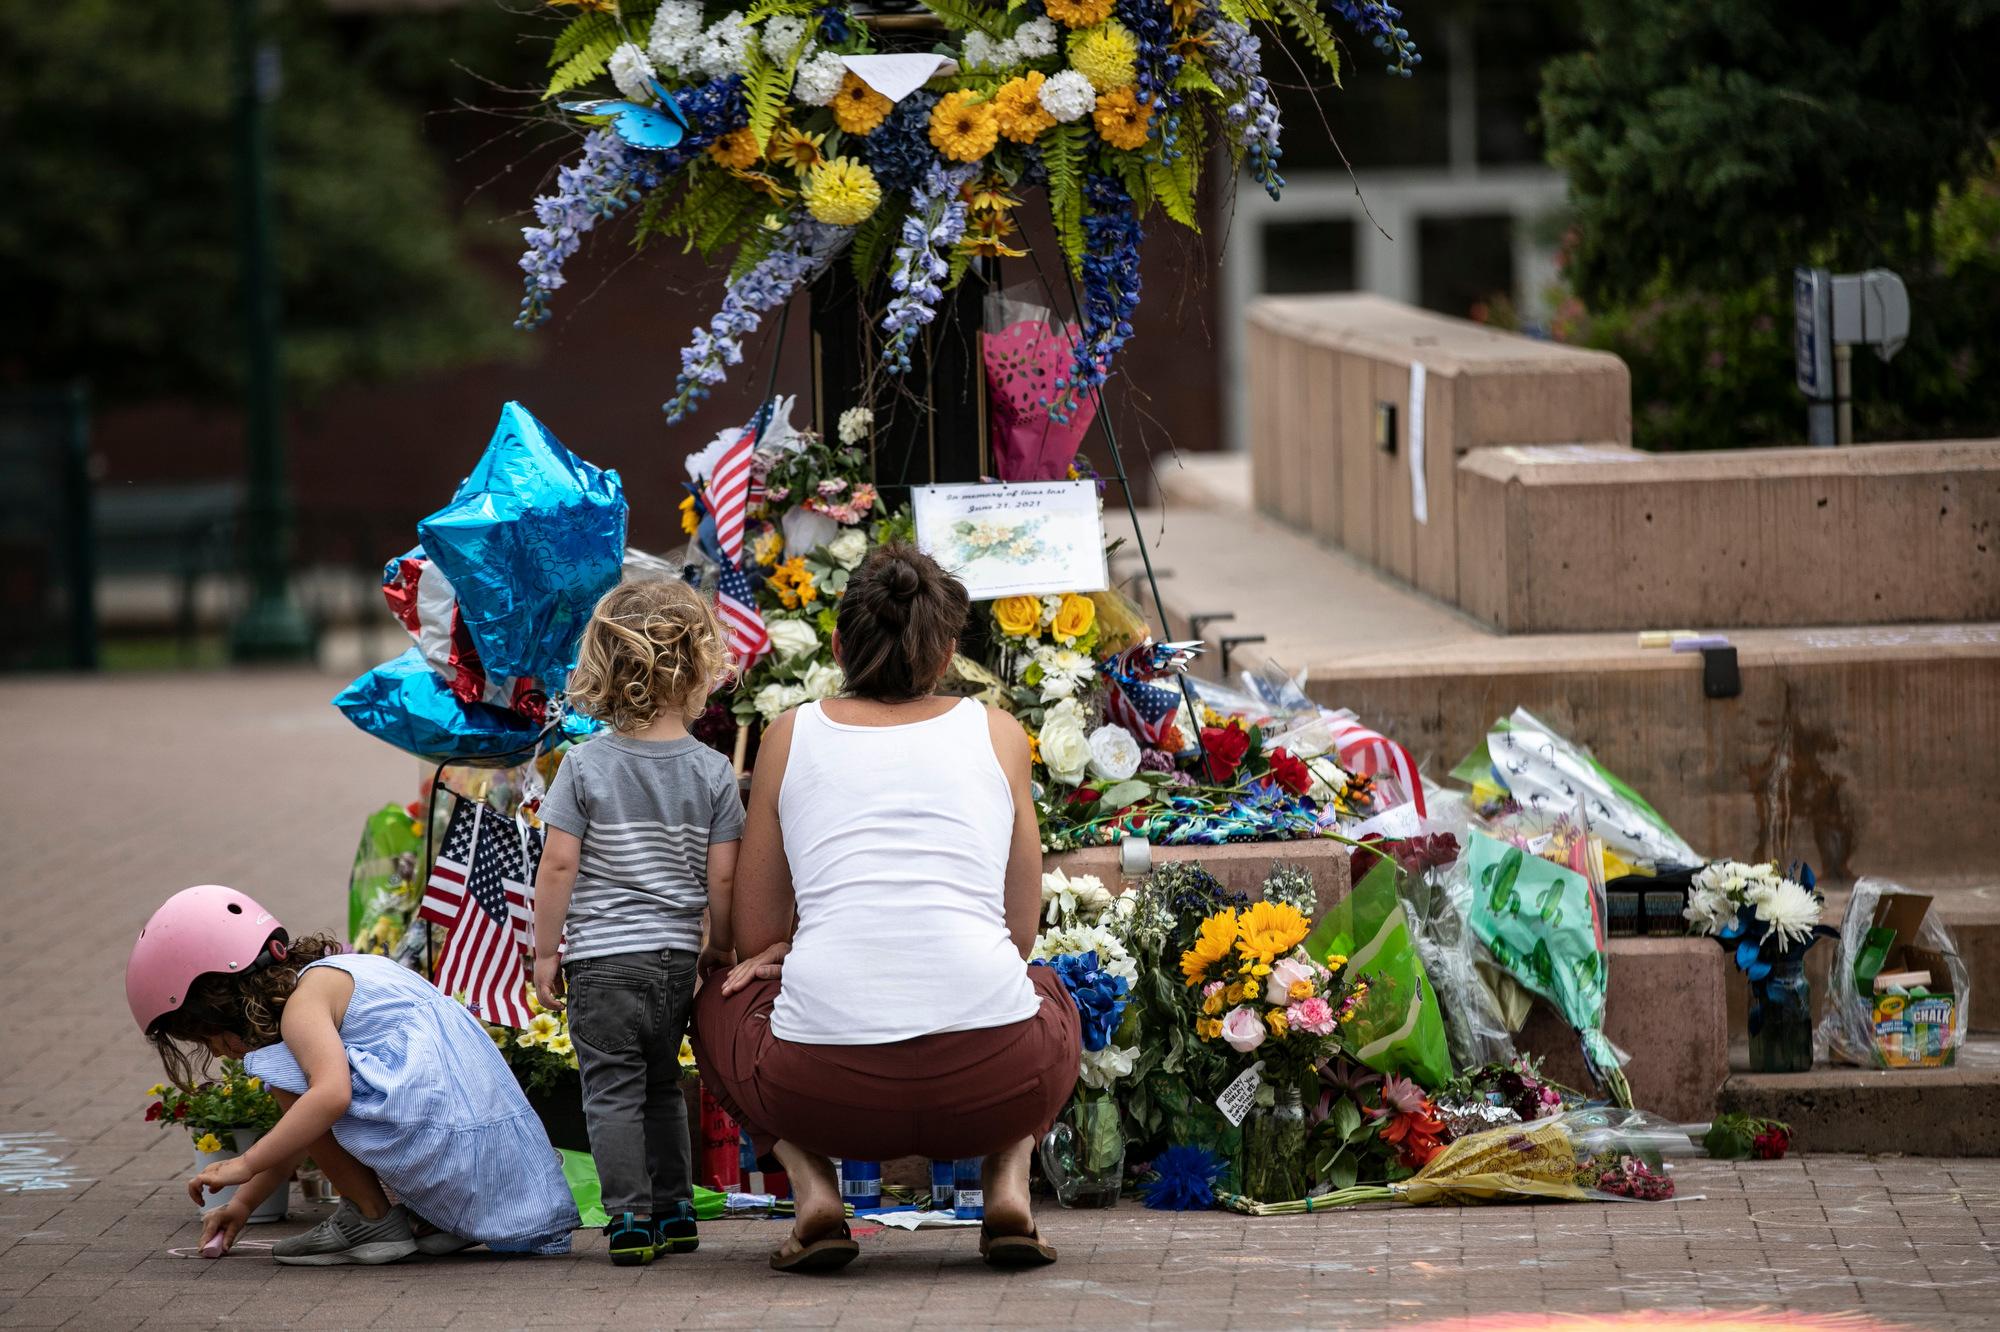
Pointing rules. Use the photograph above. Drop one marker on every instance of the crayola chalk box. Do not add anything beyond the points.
(1913, 1032)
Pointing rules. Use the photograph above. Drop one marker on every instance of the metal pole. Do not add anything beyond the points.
(271, 629)
(1843, 394)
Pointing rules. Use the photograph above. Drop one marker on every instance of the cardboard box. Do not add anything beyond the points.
(1910, 1031)
(1914, 1033)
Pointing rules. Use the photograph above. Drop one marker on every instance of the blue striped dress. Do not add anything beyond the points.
(436, 1113)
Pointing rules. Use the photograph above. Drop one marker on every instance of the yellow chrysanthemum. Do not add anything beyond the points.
(1018, 108)
(793, 584)
(1211, 945)
(1213, 1004)
(1078, 13)
(1123, 121)
(858, 108)
(690, 520)
(963, 127)
(842, 192)
(1270, 929)
(736, 149)
(1274, 1018)
(798, 149)
(1299, 990)
(1106, 55)
(208, 1142)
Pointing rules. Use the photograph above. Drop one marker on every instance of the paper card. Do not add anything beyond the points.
(1393, 824)
(1240, 1095)
(1014, 540)
(897, 76)
(1420, 500)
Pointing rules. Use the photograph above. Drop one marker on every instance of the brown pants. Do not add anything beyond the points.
(951, 1095)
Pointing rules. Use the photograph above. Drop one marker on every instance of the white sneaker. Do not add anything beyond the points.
(349, 1237)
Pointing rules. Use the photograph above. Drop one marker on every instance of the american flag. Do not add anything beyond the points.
(480, 889)
(1362, 750)
(728, 498)
(1134, 701)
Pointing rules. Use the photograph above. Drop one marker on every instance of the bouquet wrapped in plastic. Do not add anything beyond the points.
(1039, 420)
(1596, 1154)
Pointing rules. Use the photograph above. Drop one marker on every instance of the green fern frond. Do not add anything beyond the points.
(1062, 156)
(583, 29)
(872, 241)
(764, 95)
(756, 245)
(764, 9)
(1310, 24)
(1193, 78)
(1170, 187)
(585, 65)
(1132, 170)
(969, 14)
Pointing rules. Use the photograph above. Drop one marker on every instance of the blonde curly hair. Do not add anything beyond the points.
(650, 647)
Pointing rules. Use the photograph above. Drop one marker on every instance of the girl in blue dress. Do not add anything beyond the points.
(389, 1086)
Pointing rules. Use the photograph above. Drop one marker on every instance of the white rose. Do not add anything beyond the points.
(1114, 754)
(774, 699)
(824, 680)
(1065, 748)
(847, 549)
(793, 638)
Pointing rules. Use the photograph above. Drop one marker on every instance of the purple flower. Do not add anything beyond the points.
(936, 221)
(1236, 63)
(600, 184)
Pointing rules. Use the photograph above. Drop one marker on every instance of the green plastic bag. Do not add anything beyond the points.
(1539, 921)
(581, 1172)
(1399, 1027)
(382, 888)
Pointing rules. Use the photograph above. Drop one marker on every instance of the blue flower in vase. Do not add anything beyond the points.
(1100, 996)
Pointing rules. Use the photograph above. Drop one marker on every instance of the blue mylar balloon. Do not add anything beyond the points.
(409, 705)
(534, 536)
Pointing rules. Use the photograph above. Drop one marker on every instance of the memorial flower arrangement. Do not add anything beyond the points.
(1766, 919)
(775, 134)
(213, 1111)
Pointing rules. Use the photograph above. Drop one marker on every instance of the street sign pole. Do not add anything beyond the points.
(272, 628)
(1812, 345)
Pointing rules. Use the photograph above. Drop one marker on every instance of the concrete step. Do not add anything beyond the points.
(1919, 1112)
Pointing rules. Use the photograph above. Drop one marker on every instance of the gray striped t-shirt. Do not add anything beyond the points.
(647, 811)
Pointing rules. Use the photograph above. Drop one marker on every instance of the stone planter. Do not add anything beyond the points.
(272, 1208)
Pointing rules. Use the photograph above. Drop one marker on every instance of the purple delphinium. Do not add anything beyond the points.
(1151, 25)
(801, 253)
(1377, 22)
(599, 185)
(1236, 63)
(934, 225)
(1111, 236)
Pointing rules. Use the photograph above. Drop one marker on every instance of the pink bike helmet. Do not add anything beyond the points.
(198, 930)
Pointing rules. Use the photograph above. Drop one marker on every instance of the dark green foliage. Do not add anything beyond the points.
(119, 240)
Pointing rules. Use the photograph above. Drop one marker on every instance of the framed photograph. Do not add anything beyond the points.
(1005, 540)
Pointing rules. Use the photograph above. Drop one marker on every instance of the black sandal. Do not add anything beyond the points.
(1014, 1251)
(829, 1253)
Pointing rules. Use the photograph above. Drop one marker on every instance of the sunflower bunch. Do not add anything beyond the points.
(1260, 990)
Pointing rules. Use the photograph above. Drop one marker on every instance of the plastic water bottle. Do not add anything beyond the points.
(943, 1195)
(861, 1183)
(968, 1194)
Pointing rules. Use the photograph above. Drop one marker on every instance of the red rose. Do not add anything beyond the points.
(153, 1111)
(1084, 795)
(1224, 747)
(1290, 772)
(1771, 1144)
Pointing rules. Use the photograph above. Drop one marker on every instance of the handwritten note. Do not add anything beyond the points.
(1240, 1095)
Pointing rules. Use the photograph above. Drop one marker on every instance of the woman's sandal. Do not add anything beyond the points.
(1010, 1251)
(829, 1253)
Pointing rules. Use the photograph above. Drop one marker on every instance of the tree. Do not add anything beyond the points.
(118, 241)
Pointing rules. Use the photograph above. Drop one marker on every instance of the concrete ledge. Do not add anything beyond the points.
(1602, 537)
(1668, 1009)
(1919, 1111)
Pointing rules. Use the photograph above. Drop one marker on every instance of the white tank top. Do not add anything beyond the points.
(898, 839)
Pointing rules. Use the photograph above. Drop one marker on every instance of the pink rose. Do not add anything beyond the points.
(1244, 1030)
(1312, 1016)
(1286, 973)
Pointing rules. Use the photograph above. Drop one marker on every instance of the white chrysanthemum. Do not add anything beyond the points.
(676, 33)
(1068, 96)
(629, 70)
(1708, 908)
(1789, 912)
(784, 35)
(725, 47)
(1035, 39)
(1111, 954)
(982, 52)
(855, 423)
(1063, 671)
(817, 81)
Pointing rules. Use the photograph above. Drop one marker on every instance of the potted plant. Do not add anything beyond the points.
(224, 1118)
(544, 1062)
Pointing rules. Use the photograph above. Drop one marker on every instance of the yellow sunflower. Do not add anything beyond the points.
(1123, 121)
(798, 149)
(736, 149)
(1269, 930)
(858, 108)
(1018, 108)
(963, 127)
(841, 192)
(1211, 946)
(1078, 13)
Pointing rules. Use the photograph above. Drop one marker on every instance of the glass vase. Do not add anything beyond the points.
(1272, 1167)
(1781, 1035)
(1083, 1156)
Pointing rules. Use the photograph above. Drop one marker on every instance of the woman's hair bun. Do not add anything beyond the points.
(899, 623)
(901, 579)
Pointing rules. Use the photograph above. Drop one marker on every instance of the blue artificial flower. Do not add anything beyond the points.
(1183, 1180)
(1100, 996)
(833, 23)
(899, 152)
(1377, 21)
(602, 184)
(1151, 25)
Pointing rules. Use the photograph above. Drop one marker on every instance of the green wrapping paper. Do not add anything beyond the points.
(1398, 1027)
(581, 1172)
(1541, 922)
(381, 890)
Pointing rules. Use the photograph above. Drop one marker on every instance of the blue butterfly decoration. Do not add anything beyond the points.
(654, 128)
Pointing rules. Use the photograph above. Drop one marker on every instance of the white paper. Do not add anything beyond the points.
(1393, 824)
(1240, 1095)
(915, 1220)
(1420, 500)
(1014, 540)
(897, 76)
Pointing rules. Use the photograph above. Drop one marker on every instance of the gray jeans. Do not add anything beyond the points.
(627, 1014)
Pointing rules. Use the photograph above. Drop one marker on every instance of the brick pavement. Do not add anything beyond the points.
(123, 790)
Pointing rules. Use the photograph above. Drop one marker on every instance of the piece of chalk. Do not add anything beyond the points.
(1701, 643)
(1659, 638)
(215, 1246)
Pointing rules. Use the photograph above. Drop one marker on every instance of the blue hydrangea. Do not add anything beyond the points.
(1100, 996)
(899, 152)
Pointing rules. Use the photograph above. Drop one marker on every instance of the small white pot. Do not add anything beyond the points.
(272, 1208)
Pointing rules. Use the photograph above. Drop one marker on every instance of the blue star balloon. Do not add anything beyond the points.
(655, 128)
(410, 706)
(534, 536)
